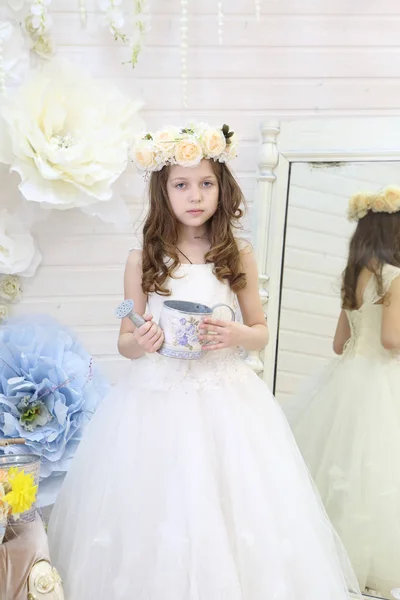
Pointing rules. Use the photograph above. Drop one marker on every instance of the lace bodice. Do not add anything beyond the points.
(365, 323)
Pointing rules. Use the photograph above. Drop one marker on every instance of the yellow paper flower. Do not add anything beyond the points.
(23, 491)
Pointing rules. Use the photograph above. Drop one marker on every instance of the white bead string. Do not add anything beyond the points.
(220, 22)
(184, 48)
(83, 12)
(2, 72)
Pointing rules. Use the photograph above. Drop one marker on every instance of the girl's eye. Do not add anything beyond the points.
(180, 186)
(207, 183)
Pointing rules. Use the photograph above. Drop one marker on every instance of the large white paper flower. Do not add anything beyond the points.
(19, 254)
(67, 136)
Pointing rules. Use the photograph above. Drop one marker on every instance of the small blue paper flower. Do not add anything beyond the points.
(49, 390)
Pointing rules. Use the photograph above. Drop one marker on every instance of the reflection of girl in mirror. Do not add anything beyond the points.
(349, 432)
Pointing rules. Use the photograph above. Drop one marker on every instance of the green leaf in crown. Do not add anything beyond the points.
(227, 134)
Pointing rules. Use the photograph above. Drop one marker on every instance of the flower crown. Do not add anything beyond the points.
(385, 201)
(185, 147)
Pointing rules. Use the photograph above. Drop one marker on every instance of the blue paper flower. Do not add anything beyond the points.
(49, 390)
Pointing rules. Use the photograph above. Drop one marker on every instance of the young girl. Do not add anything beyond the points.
(348, 425)
(188, 485)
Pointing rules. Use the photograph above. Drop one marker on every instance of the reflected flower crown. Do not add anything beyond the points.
(385, 201)
(184, 146)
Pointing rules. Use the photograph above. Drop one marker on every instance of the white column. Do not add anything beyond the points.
(268, 159)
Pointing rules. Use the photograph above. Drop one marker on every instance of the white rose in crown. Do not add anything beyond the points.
(67, 136)
(165, 141)
(19, 254)
(146, 155)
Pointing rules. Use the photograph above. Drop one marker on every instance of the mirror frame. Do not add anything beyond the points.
(340, 140)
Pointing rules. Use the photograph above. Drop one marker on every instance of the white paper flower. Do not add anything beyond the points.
(67, 136)
(19, 254)
(10, 288)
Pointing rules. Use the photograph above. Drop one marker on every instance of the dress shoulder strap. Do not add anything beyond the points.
(372, 294)
(137, 243)
(389, 274)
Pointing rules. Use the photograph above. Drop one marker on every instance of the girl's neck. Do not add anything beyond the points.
(193, 244)
(192, 235)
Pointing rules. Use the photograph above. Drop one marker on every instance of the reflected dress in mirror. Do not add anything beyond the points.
(347, 422)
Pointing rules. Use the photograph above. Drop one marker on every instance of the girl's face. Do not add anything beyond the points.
(193, 193)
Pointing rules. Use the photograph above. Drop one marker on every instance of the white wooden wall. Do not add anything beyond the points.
(309, 57)
(316, 249)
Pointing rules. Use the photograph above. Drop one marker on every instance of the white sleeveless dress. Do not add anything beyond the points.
(347, 426)
(189, 486)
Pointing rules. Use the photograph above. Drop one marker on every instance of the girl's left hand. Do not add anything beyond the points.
(221, 334)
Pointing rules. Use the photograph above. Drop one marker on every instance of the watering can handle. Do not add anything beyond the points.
(214, 308)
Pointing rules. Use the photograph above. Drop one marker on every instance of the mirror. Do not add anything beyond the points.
(344, 411)
(334, 428)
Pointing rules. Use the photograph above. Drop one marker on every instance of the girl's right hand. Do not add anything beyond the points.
(149, 337)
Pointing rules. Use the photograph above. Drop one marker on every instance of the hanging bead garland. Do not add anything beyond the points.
(83, 12)
(220, 22)
(2, 72)
(184, 47)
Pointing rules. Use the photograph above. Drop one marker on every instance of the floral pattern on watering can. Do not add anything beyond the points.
(180, 321)
(186, 333)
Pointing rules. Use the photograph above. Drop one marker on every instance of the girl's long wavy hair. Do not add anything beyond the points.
(375, 242)
(160, 234)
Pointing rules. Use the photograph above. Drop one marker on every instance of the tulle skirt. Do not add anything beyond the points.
(347, 426)
(189, 486)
